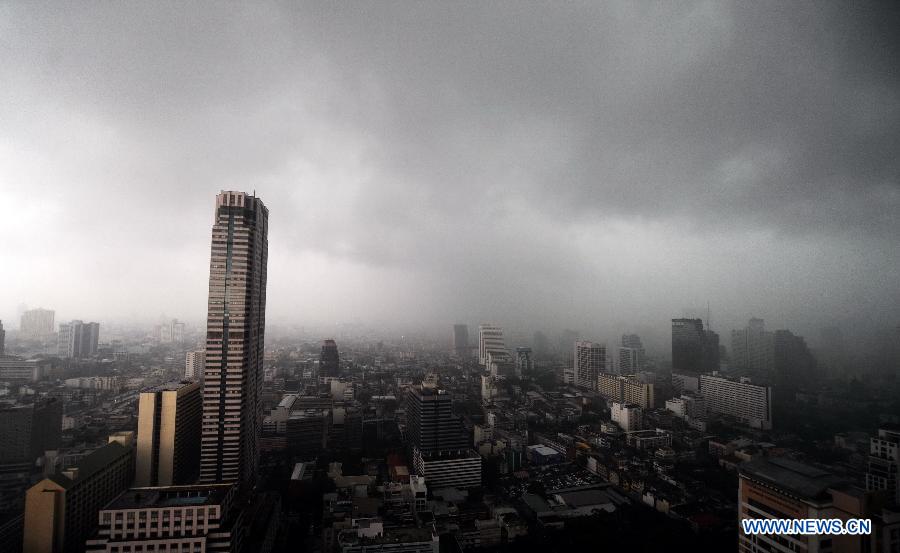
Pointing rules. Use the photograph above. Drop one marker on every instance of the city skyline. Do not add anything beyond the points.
(589, 177)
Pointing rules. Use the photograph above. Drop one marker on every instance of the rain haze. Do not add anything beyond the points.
(604, 167)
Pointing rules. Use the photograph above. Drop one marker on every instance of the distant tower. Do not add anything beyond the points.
(235, 330)
(194, 362)
(461, 340)
(694, 349)
(2, 339)
(78, 339)
(168, 439)
(590, 361)
(524, 361)
(490, 340)
(753, 347)
(329, 359)
(37, 323)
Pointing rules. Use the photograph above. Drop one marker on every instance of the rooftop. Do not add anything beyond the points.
(794, 477)
(170, 496)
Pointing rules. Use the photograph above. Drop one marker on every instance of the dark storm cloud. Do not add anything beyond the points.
(510, 161)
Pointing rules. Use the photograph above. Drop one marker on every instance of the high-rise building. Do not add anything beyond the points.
(792, 360)
(2, 340)
(884, 463)
(168, 439)
(461, 341)
(77, 339)
(232, 412)
(749, 403)
(329, 359)
(753, 347)
(780, 488)
(431, 424)
(590, 361)
(194, 363)
(61, 511)
(37, 323)
(694, 349)
(630, 360)
(490, 340)
(524, 361)
(440, 448)
(27, 431)
(170, 331)
(172, 518)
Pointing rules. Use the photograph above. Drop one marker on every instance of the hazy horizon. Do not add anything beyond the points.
(602, 167)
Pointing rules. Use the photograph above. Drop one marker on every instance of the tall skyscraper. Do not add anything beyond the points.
(753, 347)
(694, 349)
(461, 340)
(27, 431)
(329, 359)
(490, 340)
(78, 339)
(232, 412)
(37, 323)
(2, 339)
(590, 361)
(631, 354)
(168, 439)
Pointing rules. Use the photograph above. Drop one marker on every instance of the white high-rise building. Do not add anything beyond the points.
(630, 360)
(747, 402)
(590, 361)
(628, 416)
(194, 362)
(490, 340)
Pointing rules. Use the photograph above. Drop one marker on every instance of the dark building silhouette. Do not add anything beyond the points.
(235, 329)
(694, 349)
(329, 360)
(431, 425)
(2, 339)
(792, 360)
(461, 340)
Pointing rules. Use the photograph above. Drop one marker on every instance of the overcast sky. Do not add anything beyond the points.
(602, 166)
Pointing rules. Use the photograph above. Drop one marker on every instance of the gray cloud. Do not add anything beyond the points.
(590, 165)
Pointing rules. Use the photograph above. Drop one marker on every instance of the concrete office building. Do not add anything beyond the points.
(630, 360)
(461, 341)
(490, 340)
(27, 431)
(168, 438)
(626, 389)
(61, 511)
(186, 519)
(779, 487)
(37, 324)
(590, 361)
(628, 416)
(440, 447)
(749, 403)
(884, 463)
(194, 363)
(232, 412)
(16, 369)
(77, 339)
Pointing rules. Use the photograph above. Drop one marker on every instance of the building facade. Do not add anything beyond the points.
(490, 340)
(232, 412)
(749, 403)
(168, 439)
(590, 361)
(37, 324)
